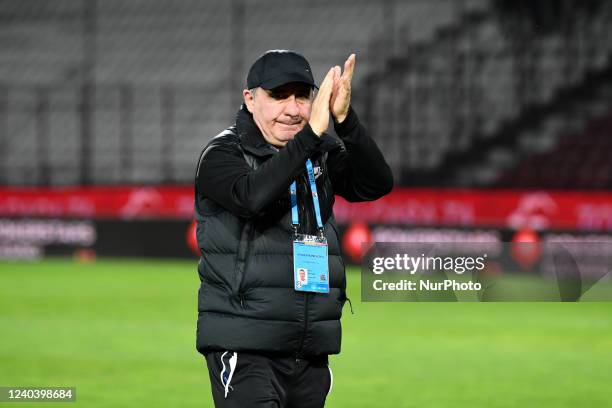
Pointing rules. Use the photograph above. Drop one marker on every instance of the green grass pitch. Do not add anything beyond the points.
(123, 333)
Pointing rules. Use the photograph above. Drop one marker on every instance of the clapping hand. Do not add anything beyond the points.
(341, 92)
(334, 97)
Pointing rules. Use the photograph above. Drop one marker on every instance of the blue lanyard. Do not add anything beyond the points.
(315, 198)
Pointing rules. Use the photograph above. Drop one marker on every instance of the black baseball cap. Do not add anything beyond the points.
(279, 67)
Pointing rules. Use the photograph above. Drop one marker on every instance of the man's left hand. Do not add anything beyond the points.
(341, 94)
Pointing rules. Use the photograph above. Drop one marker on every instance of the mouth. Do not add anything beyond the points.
(290, 126)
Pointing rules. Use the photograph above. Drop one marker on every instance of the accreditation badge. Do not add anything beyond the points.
(310, 264)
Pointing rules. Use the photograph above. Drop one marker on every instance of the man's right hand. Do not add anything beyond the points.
(319, 114)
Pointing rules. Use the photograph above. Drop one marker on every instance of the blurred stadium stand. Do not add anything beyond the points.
(459, 93)
(443, 104)
(582, 160)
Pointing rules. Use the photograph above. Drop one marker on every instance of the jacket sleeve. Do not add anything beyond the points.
(358, 171)
(226, 178)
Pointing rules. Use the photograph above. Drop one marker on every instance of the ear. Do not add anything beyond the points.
(249, 100)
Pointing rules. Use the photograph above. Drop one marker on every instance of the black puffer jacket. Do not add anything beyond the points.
(246, 298)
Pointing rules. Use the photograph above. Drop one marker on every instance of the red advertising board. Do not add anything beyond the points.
(98, 202)
(563, 210)
(514, 209)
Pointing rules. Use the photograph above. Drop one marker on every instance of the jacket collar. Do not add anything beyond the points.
(253, 141)
(251, 138)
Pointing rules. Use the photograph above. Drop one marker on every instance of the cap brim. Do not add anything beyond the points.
(285, 79)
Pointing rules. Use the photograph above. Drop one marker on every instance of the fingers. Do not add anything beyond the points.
(326, 88)
(333, 96)
(329, 78)
(341, 97)
(349, 66)
(319, 115)
(337, 75)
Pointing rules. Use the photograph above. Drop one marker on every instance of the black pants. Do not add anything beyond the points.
(252, 380)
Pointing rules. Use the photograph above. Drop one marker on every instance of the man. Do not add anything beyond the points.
(272, 277)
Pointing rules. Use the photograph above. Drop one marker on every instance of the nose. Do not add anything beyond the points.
(292, 108)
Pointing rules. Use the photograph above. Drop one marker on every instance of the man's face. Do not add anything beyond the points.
(280, 112)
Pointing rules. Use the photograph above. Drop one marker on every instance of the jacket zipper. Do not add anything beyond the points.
(306, 229)
(306, 301)
(306, 204)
